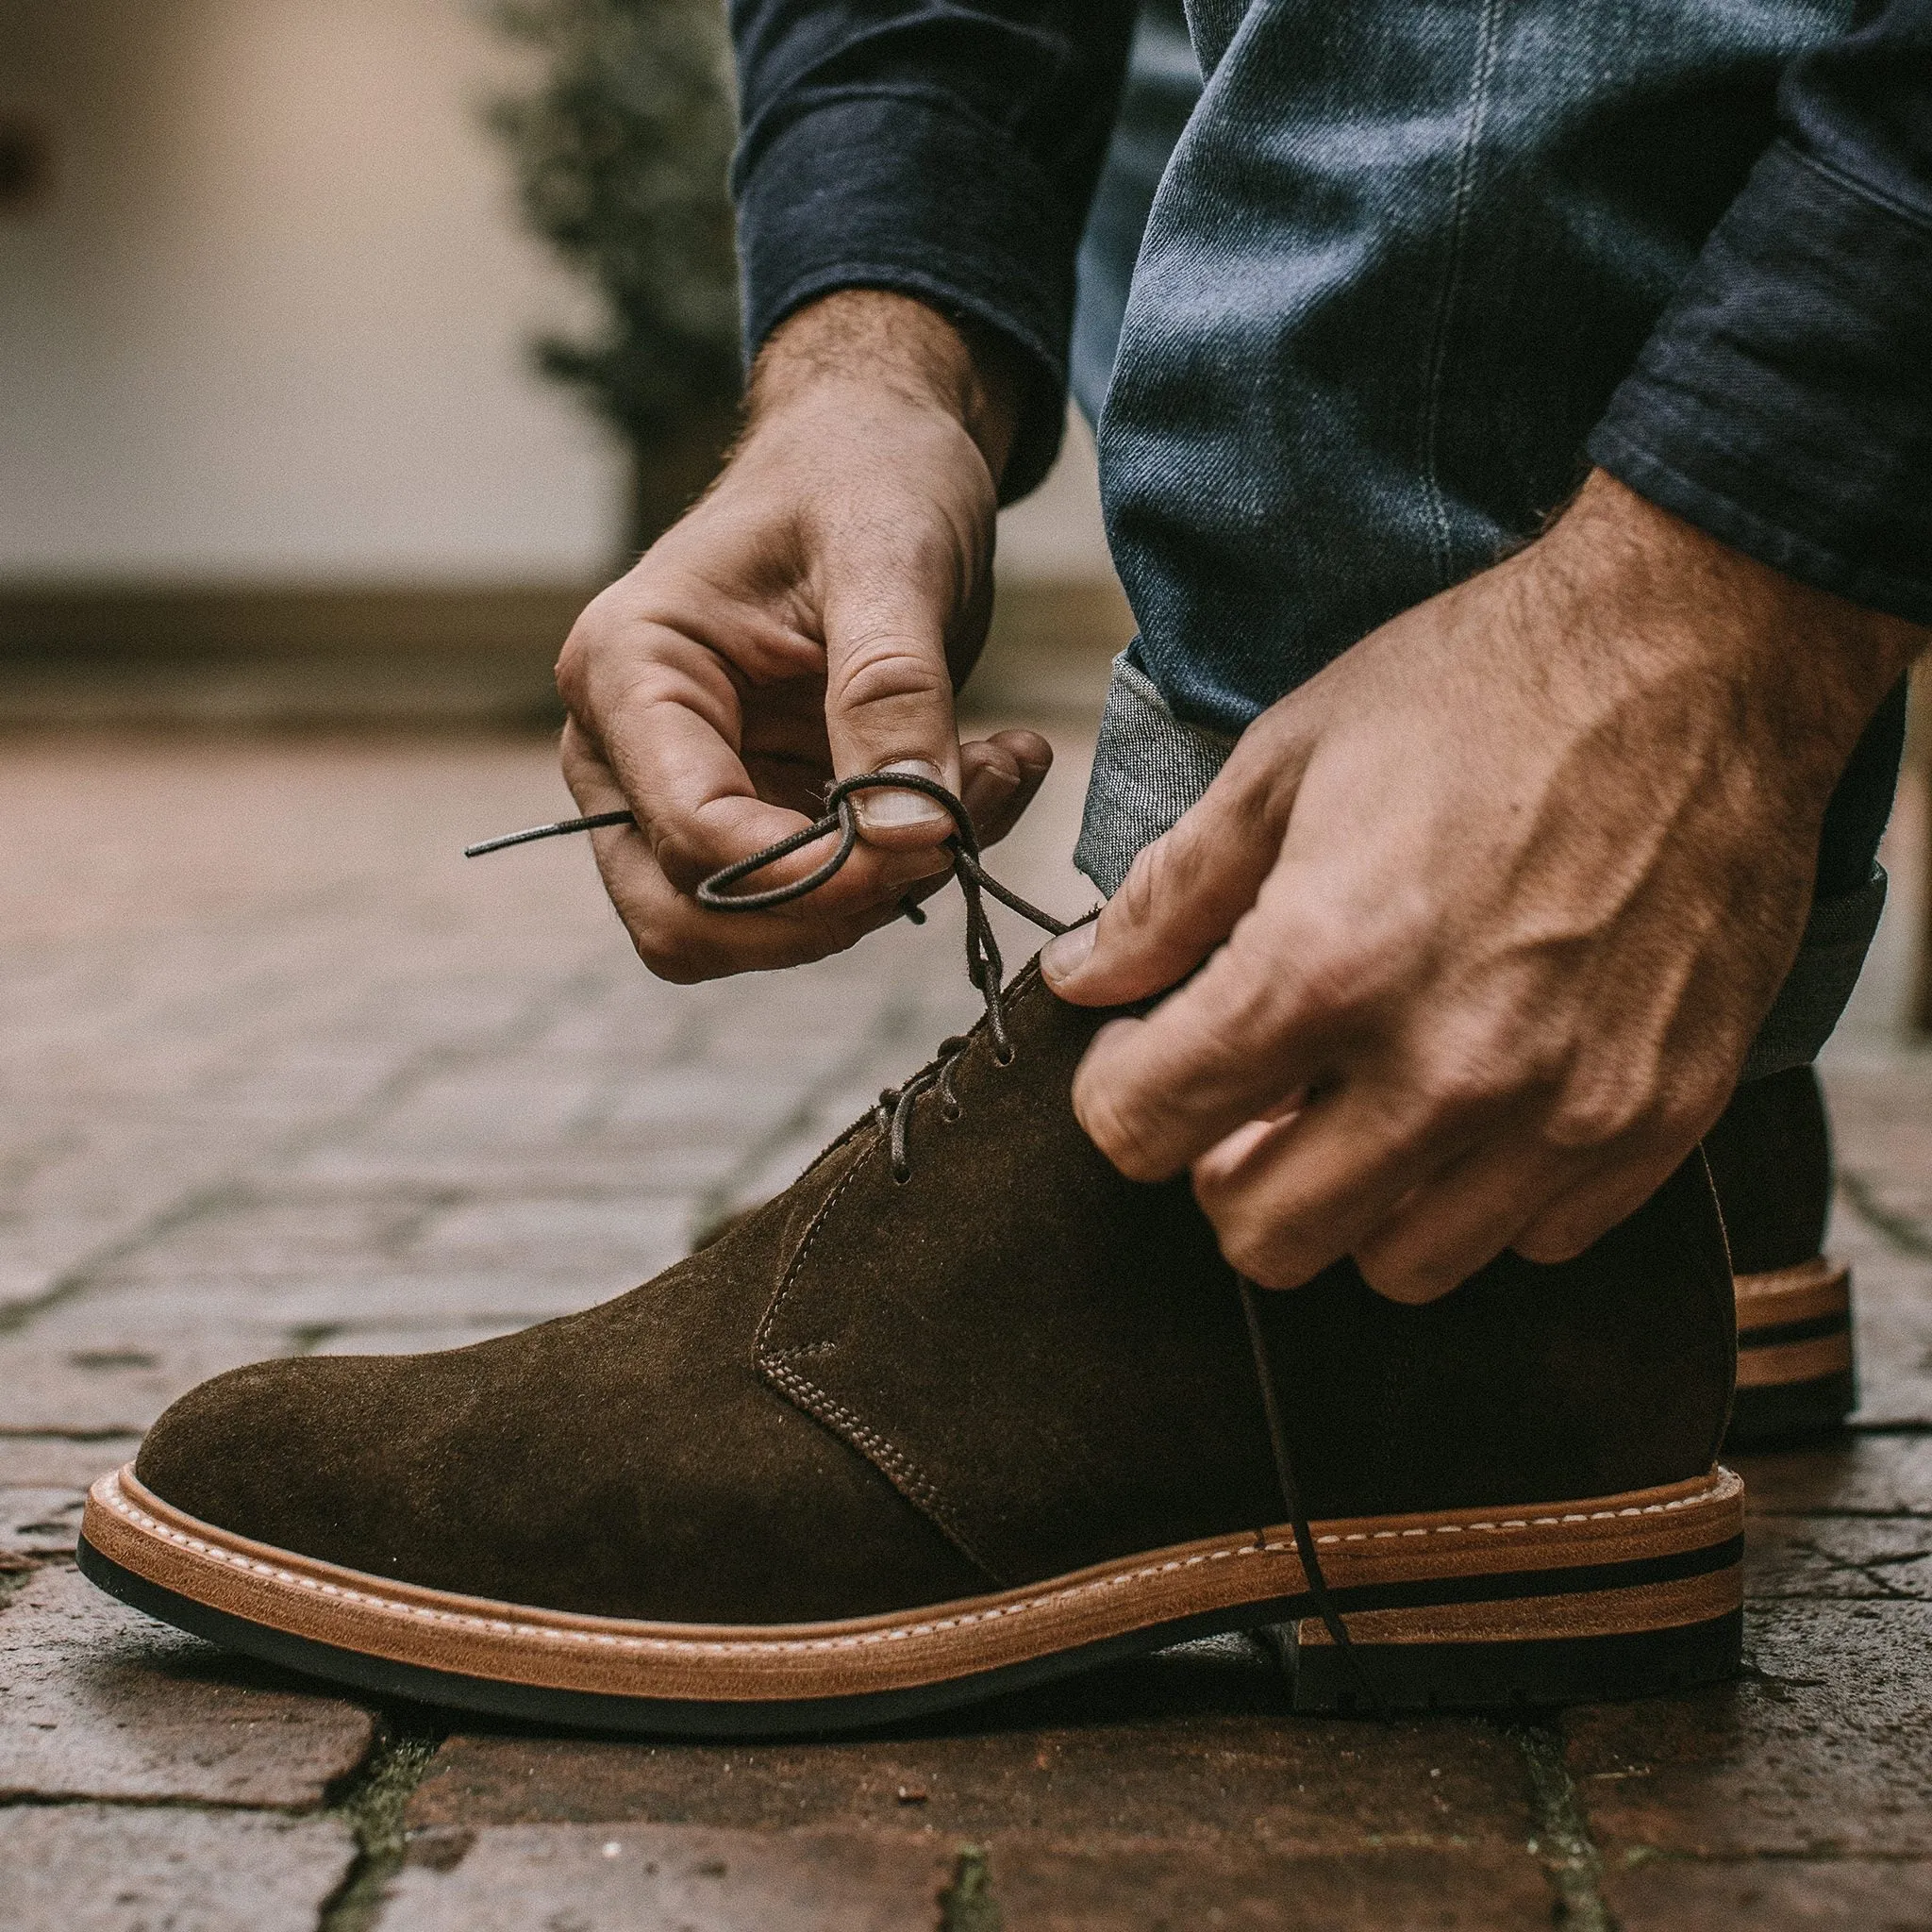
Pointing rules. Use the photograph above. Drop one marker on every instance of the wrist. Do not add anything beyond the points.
(1800, 670)
(873, 344)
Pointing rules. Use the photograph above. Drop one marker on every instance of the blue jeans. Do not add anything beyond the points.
(1399, 257)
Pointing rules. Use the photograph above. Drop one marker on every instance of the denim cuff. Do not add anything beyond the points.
(1149, 768)
(1002, 254)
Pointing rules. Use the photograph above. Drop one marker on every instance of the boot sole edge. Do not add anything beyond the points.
(1796, 1374)
(1655, 1566)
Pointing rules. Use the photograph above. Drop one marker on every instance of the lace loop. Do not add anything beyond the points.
(984, 966)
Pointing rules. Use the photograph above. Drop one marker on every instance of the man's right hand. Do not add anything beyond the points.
(807, 621)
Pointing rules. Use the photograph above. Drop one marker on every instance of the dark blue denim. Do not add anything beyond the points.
(1783, 400)
(1399, 264)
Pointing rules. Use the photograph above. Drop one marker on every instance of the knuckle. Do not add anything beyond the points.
(1145, 888)
(888, 669)
(1246, 1249)
(1254, 1244)
(1117, 1132)
(673, 957)
(1332, 971)
(1266, 1259)
(573, 669)
(1597, 1117)
(1454, 1082)
(1409, 1278)
(587, 653)
(669, 963)
(1552, 1243)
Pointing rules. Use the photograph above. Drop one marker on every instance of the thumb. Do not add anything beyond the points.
(888, 707)
(1185, 892)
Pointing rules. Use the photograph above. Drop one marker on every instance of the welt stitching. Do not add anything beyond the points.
(1716, 1490)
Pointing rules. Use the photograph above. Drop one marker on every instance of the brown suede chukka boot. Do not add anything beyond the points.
(1771, 1158)
(923, 1429)
(962, 1410)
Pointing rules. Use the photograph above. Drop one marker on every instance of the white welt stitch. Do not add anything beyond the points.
(1716, 1490)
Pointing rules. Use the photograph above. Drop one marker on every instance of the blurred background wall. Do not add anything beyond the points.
(272, 441)
(265, 319)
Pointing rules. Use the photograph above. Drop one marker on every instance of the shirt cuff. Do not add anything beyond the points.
(1784, 402)
(902, 191)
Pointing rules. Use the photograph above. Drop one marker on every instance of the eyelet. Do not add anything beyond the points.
(901, 1175)
(1007, 1059)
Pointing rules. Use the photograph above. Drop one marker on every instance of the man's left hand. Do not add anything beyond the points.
(1491, 909)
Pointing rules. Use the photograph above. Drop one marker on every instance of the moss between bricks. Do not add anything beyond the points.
(371, 1803)
(967, 1905)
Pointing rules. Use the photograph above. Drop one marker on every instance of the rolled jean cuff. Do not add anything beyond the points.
(1149, 768)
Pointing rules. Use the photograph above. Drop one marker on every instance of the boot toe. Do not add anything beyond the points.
(262, 1452)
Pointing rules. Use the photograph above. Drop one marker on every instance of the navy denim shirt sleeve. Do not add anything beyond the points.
(1784, 402)
(944, 148)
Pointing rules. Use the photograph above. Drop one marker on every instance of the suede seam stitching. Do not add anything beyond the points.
(892, 1462)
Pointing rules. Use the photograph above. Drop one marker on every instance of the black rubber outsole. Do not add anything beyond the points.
(1777, 1414)
(1520, 1675)
(1398, 1678)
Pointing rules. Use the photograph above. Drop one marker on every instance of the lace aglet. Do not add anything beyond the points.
(912, 909)
(594, 823)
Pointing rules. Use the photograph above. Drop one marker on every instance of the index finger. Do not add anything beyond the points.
(1226, 1047)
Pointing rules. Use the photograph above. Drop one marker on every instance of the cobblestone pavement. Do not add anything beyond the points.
(280, 1072)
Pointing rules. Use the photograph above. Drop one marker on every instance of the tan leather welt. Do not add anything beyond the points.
(1589, 1613)
(1793, 1294)
(1794, 1361)
(513, 1643)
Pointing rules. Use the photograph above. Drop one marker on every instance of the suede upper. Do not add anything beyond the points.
(1770, 1156)
(875, 1395)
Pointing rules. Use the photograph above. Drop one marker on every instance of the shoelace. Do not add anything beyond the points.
(984, 966)
(893, 1109)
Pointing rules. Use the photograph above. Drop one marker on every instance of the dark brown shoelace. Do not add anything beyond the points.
(984, 966)
(894, 1106)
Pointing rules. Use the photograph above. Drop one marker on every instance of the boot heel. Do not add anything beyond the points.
(1795, 1372)
(1487, 1657)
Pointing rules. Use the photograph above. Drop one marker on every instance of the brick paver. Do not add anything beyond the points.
(101, 1703)
(282, 1073)
(98, 1868)
(660, 1879)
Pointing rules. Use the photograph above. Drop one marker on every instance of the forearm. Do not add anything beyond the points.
(1793, 671)
(945, 152)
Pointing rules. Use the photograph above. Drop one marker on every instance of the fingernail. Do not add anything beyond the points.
(882, 808)
(1061, 959)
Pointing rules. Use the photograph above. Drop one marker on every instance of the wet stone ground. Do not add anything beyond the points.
(280, 1072)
